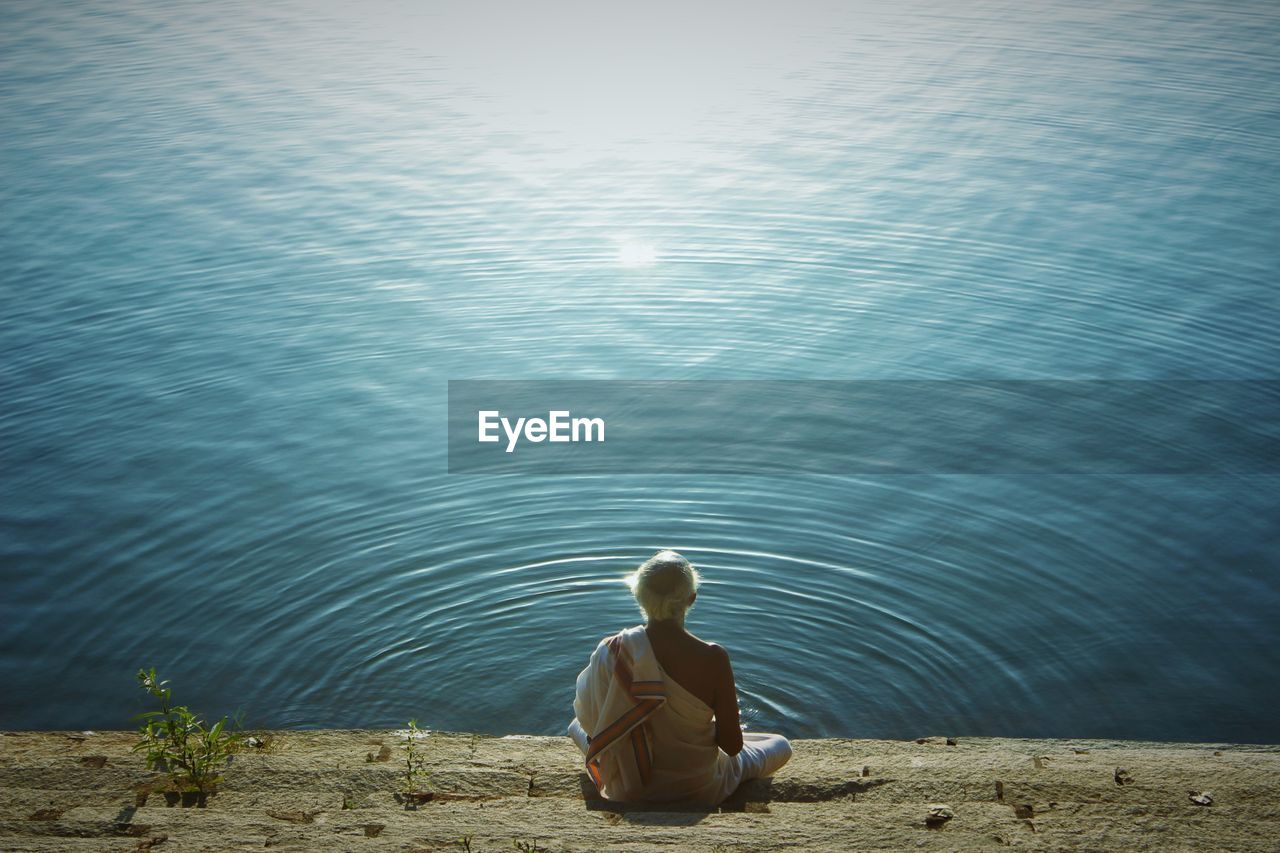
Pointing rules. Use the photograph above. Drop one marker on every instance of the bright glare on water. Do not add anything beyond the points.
(243, 247)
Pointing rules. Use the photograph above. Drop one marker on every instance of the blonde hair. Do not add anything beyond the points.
(663, 585)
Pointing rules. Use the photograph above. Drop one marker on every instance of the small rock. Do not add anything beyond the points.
(384, 754)
(999, 790)
(1024, 811)
(93, 761)
(866, 770)
(1080, 751)
(1040, 761)
(1201, 799)
(951, 741)
(45, 814)
(1123, 777)
(1217, 752)
(373, 830)
(255, 742)
(939, 813)
(922, 740)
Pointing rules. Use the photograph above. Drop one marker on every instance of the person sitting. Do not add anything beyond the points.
(657, 708)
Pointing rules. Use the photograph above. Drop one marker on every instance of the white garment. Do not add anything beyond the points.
(646, 738)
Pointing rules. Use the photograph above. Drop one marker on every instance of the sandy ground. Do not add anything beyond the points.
(336, 790)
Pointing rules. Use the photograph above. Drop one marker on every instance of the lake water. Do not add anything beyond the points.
(245, 246)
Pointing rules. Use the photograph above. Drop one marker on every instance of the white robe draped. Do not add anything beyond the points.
(649, 739)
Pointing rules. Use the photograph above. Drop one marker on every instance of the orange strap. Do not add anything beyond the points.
(649, 696)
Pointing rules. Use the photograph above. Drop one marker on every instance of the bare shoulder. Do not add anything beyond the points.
(717, 655)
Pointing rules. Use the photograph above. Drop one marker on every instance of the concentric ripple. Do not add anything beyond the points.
(243, 248)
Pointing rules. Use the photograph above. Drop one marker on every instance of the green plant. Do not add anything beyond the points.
(465, 841)
(527, 847)
(415, 774)
(177, 741)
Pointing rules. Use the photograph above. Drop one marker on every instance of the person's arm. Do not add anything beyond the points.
(592, 686)
(728, 729)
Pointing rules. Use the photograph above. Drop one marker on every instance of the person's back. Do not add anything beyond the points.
(704, 670)
(657, 708)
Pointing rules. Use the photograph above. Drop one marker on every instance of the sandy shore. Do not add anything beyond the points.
(323, 790)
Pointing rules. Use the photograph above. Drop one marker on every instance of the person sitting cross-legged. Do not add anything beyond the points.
(657, 708)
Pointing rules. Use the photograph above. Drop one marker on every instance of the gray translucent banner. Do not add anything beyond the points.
(865, 426)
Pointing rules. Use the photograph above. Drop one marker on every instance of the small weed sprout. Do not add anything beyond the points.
(178, 741)
(415, 774)
(526, 846)
(465, 842)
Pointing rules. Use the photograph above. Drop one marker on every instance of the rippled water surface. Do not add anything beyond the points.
(244, 246)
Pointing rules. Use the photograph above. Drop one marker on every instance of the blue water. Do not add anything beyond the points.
(244, 246)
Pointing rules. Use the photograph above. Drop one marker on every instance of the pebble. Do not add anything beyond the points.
(939, 813)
